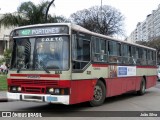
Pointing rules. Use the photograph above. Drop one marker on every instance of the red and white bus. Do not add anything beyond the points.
(66, 64)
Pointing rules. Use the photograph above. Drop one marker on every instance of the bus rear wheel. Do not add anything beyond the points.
(99, 94)
(142, 88)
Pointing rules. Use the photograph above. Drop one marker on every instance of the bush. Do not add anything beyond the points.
(3, 82)
(2, 60)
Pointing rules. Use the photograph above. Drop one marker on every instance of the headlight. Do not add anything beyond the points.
(57, 91)
(19, 89)
(51, 90)
(14, 89)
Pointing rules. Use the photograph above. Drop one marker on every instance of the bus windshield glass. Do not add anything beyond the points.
(51, 53)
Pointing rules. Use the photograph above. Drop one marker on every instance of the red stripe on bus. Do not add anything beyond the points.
(99, 65)
(147, 67)
(40, 75)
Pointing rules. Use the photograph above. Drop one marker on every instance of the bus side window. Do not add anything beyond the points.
(140, 53)
(119, 53)
(115, 52)
(126, 55)
(99, 52)
(154, 58)
(144, 57)
(74, 46)
(133, 52)
(130, 58)
(149, 57)
(137, 56)
(80, 51)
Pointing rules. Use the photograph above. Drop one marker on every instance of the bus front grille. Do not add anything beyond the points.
(35, 82)
(33, 90)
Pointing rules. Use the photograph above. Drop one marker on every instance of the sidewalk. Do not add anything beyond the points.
(3, 96)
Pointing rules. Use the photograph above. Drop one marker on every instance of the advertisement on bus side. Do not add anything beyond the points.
(123, 71)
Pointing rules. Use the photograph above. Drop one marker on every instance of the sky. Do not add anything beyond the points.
(134, 11)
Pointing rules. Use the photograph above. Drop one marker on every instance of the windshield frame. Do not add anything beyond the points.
(32, 68)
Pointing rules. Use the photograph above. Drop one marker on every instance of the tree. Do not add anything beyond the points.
(61, 19)
(7, 55)
(27, 14)
(2, 60)
(106, 20)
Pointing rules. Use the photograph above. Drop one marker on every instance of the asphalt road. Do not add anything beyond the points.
(128, 103)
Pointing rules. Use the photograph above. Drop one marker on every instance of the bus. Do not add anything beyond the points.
(64, 63)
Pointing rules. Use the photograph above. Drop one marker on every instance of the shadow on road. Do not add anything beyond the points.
(81, 106)
(77, 110)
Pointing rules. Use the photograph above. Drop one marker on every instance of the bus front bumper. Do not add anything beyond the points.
(57, 99)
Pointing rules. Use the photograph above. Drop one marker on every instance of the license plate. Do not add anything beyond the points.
(49, 98)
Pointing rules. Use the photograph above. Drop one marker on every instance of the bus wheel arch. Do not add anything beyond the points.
(142, 86)
(103, 80)
(99, 93)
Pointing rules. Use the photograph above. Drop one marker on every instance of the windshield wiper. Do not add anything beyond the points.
(20, 67)
(43, 66)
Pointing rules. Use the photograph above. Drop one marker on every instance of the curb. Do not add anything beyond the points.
(3, 99)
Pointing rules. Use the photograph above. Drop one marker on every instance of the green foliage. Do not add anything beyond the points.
(3, 82)
(7, 55)
(27, 14)
(2, 60)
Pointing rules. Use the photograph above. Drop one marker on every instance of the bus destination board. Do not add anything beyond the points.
(41, 31)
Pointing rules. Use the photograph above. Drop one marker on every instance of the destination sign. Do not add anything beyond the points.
(41, 31)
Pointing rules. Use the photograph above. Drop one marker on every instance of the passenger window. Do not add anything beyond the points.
(144, 59)
(114, 50)
(80, 52)
(99, 50)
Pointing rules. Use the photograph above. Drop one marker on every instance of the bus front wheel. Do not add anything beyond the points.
(142, 88)
(99, 94)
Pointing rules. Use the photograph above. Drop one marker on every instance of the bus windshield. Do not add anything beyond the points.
(41, 53)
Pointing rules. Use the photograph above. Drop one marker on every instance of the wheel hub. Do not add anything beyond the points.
(97, 93)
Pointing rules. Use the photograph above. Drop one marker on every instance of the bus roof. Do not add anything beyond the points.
(81, 29)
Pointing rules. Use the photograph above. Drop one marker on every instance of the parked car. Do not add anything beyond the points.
(158, 73)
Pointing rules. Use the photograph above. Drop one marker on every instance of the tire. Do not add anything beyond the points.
(99, 94)
(142, 88)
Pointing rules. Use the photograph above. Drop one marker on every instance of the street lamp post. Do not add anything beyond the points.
(48, 10)
(101, 11)
(101, 4)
